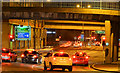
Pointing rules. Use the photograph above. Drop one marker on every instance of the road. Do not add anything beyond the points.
(34, 68)
(95, 57)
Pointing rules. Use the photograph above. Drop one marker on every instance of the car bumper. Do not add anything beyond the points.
(62, 66)
(5, 58)
(80, 62)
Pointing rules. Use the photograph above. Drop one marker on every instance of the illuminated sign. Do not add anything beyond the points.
(23, 33)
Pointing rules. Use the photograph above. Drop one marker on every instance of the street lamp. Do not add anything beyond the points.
(89, 6)
(77, 5)
(48, 0)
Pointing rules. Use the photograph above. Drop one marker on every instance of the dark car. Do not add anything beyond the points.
(31, 57)
(8, 55)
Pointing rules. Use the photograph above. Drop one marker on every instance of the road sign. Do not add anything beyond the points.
(82, 37)
(23, 33)
(100, 32)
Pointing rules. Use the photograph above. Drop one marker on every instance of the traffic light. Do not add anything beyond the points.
(92, 38)
(11, 37)
(104, 38)
(79, 37)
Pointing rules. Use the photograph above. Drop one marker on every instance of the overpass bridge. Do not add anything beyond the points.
(40, 18)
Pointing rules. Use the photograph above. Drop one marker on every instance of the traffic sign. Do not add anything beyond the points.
(100, 32)
(23, 33)
(82, 37)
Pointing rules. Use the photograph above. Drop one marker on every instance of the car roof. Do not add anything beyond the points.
(59, 52)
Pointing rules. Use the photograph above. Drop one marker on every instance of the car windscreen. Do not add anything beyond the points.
(34, 52)
(61, 55)
(7, 51)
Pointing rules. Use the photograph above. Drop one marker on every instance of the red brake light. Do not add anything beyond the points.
(86, 57)
(35, 56)
(54, 58)
(22, 55)
(81, 53)
(9, 54)
(73, 56)
(69, 58)
(29, 51)
(61, 52)
(4, 49)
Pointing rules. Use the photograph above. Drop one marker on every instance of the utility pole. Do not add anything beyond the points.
(28, 40)
(100, 4)
(81, 3)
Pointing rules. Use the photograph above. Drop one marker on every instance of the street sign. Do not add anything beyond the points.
(100, 32)
(82, 37)
(23, 33)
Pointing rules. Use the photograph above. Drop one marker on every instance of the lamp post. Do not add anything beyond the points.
(81, 3)
(100, 4)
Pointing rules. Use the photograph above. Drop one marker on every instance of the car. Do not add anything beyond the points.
(8, 55)
(97, 43)
(31, 56)
(80, 58)
(47, 49)
(58, 60)
(76, 44)
(67, 44)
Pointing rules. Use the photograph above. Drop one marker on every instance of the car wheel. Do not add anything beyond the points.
(63, 69)
(15, 60)
(70, 68)
(45, 68)
(50, 66)
(23, 60)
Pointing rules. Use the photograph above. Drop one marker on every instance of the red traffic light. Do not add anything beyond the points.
(104, 38)
(92, 38)
(11, 36)
(79, 37)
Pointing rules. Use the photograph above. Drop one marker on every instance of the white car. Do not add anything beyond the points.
(58, 60)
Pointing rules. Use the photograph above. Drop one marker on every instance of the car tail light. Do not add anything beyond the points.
(29, 51)
(22, 55)
(54, 58)
(70, 59)
(34, 56)
(86, 57)
(73, 56)
(4, 49)
(81, 53)
(9, 54)
(61, 52)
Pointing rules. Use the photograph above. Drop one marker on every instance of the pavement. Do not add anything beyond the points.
(107, 67)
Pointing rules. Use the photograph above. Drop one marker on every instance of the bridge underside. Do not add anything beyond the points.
(107, 20)
(62, 24)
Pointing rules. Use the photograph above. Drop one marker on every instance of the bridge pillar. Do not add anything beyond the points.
(43, 36)
(108, 49)
(115, 30)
